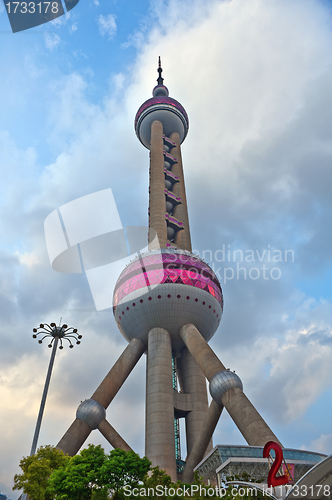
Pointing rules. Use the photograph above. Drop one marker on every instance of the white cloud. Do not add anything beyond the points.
(28, 259)
(135, 40)
(107, 26)
(61, 20)
(323, 444)
(52, 40)
(73, 28)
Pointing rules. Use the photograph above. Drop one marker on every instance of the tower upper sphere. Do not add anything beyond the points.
(163, 108)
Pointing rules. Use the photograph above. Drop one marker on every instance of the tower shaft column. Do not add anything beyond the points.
(160, 438)
(194, 383)
(182, 238)
(252, 426)
(157, 205)
(202, 439)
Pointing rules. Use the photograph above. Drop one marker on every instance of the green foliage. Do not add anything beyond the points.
(78, 479)
(155, 478)
(36, 471)
(92, 474)
(122, 468)
(100, 495)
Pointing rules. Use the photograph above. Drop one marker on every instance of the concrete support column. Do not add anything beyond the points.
(252, 426)
(79, 431)
(157, 205)
(160, 439)
(203, 438)
(250, 423)
(75, 437)
(119, 372)
(112, 436)
(193, 382)
(182, 238)
(206, 359)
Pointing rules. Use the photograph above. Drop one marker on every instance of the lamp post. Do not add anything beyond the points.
(56, 334)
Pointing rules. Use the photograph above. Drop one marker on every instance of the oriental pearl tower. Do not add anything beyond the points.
(168, 304)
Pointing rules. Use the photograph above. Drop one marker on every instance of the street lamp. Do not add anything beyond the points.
(56, 334)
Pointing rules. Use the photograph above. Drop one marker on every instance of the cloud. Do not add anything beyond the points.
(61, 20)
(107, 26)
(28, 259)
(323, 444)
(52, 40)
(73, 28)
(134, 40)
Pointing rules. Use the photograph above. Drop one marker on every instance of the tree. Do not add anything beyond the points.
(158, 477)
(92, 474)
(36, 472)
(79, 478)
(123, 468)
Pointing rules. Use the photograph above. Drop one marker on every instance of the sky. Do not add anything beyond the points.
(256, 81)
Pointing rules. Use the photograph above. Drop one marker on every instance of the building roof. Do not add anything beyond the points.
(234, 459)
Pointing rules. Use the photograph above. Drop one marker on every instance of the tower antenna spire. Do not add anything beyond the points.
(160, 79)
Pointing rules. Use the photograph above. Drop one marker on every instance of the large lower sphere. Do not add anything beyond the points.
(167, 288)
